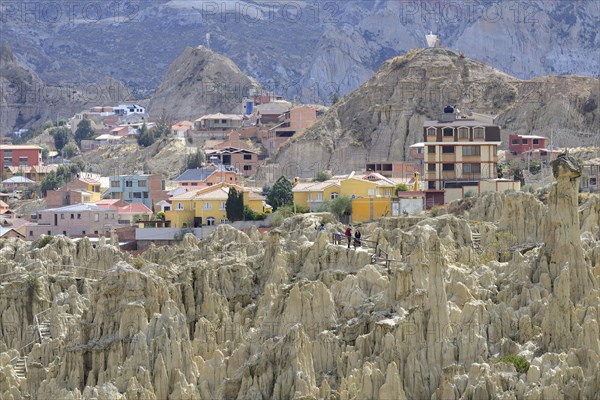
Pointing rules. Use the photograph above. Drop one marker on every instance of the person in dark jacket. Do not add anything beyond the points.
(357, 236)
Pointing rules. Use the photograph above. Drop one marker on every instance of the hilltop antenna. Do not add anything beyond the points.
(208, 40)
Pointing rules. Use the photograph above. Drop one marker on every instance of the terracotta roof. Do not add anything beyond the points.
(137, 208)
(90, 181)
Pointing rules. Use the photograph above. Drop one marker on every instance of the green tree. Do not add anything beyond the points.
(234, 206)
(45, 151)
(47, 125)
(335, 97)
(281, 193)
(51, 181)
(322, 176)
(195, 160)
(70, 150)
(340, 206)
(60, 136)
(84, 131)
(401, 187)
(146, 136)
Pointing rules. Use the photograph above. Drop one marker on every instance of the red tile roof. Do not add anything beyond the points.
(134, 208)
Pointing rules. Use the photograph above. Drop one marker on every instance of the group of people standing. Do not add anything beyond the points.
(348, 235)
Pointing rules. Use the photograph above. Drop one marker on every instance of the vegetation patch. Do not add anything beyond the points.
(520, 362)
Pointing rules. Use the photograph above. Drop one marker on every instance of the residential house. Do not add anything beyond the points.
(209, 175)
(460, 156)
(80, 190)
(130, 213)
(518, 144)
(417, 153)
(19, 156)
(6, 233)
(142, 188)
(35, 173)
(244, 160)
(206, 206)
(590, 176)
(218, 122)
(182, 128)
(270, 113)
(16, 182)
(291, 122)
(3, 207)
(73, 221)
(128, 109)
(395, 169)
(162, 206)
(313, 194)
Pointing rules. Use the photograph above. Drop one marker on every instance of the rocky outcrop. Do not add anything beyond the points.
(290, 314)
(201, 82)
(384, 116)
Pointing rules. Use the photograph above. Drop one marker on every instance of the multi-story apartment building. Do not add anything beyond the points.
(459, 151)
(73, 221)
(146, 189)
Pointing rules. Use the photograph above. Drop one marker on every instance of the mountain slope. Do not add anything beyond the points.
(304, 50)
(385, 115)
(199, 82)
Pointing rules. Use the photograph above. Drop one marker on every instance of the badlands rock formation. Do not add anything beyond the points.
(287, 314)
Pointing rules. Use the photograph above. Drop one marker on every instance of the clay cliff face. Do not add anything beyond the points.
(307, 49)
(384, 116)
(201, 82)
(288, 314)
(26, 100)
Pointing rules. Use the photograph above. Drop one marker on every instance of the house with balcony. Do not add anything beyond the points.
(207, 206)
(460, 155)
(529, 147)
(138, 188)
(243, 160)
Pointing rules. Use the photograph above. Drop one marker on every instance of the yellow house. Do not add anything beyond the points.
(369, 185)
(206, 206)
(313, 194)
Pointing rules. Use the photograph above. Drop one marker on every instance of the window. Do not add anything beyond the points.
(86, 199)
(448, 132)
(593, 181)
(371, 192)
(334, 195)
(143, 183)
(65, 233)
(478, 133)
(40, 216)
(463, 133)
(536, 141)
(431, 149)
(95, 232)
(62, 216)
(447, 149)
(115, 184)
(137, 195)
(525, 141)
(471, 151)
(223, 121)
(112, 216)
(128, 183)
(49, 233)
(83, 232)
(78, 216)
(247, 156)
(193, 205)
(210, 221)
(222, 206)
(207, 206)
(430, 167)
(145, 195)
(247, 167)
(96, 217)
(319, 196)
(22, 161)
(309, 198)
(431, 132)
(72, 216)
(514, 141)
(179, 206)
(224, 220)
(431, 185)
(471, 168)
(387, 193)
(448, 167)
(30, 233)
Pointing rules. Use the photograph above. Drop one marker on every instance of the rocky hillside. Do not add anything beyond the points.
(288, 314)
(304, 50)
(201, 82)
(384, 116)
(25, 99)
